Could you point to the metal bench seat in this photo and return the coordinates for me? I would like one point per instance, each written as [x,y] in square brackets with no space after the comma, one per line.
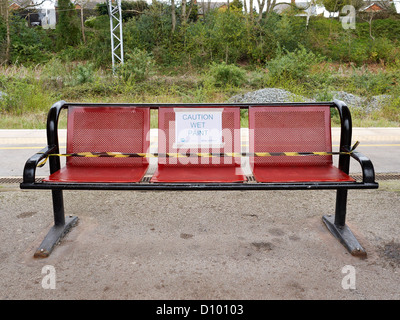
[98,174]
[279,174]
[281,140]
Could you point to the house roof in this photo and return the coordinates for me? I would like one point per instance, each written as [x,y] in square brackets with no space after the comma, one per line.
[279,8]
[17,4]
[307,7]
[374,6]
[87,4]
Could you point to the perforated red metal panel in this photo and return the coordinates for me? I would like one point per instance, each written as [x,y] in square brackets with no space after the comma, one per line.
[292,129]
[203,169]
[107,129]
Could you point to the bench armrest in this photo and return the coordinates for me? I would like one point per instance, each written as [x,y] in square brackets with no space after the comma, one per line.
[32,163]
[368,171]
[52,122]
[345,134]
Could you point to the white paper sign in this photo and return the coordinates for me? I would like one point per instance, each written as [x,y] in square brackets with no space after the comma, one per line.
[198,127]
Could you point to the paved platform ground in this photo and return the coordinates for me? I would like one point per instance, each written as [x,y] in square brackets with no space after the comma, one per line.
[201,245]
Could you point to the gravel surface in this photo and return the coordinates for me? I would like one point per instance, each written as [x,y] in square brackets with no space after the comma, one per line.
[268,95]
[281,95]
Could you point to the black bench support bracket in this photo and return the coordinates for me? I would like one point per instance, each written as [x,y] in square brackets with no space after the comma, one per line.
[54,236]
[345,236]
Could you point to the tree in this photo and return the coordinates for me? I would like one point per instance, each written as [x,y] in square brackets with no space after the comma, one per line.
[82,3]
[270,6]
[334,5]
[236,4]
[173,15]
[68,33]
[229,34]
[131,9]
[261,4]
[4,15]
[370,13]
[186,13]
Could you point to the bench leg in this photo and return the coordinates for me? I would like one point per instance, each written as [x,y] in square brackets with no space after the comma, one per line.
[337,226]
[61,226]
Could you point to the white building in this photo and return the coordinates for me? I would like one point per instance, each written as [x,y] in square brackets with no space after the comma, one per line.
[397,5]
[47,13]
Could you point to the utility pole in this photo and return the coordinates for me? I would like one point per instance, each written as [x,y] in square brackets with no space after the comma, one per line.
[117,48]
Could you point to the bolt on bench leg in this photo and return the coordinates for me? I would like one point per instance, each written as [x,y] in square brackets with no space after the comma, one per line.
[336,225]
[61,226]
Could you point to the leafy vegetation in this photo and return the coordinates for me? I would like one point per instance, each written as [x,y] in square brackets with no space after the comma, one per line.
[196,57]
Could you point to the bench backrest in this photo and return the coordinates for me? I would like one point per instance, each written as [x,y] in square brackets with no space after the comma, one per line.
[272,129]
[201,123]
[290,129]
[108,129]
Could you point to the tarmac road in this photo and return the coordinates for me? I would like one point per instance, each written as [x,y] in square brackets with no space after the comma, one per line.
[200,245]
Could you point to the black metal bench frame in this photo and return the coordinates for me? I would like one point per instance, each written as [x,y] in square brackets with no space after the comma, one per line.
[336,223]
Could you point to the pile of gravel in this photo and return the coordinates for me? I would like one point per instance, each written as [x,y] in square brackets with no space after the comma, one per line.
[366,104]
[267,95]
[349,99]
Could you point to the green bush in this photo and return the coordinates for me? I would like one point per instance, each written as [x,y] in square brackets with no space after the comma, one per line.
[98,44]
[228,36]
[54,74]
[327,37]
[383,50]
[385,28]
[83,73]
[367,83]
[227,74]
[67,29]
[359,52]
[391,110]
[138,66]
[28,45]
[198,44]
[294,65]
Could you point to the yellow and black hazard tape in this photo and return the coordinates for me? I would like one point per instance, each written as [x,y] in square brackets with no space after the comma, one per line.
[188,154]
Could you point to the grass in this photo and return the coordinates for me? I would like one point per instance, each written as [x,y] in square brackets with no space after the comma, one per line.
[26,121]
[31,91]
[391,185]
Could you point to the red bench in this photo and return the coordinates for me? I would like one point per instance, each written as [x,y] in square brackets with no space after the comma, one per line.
[199,148]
